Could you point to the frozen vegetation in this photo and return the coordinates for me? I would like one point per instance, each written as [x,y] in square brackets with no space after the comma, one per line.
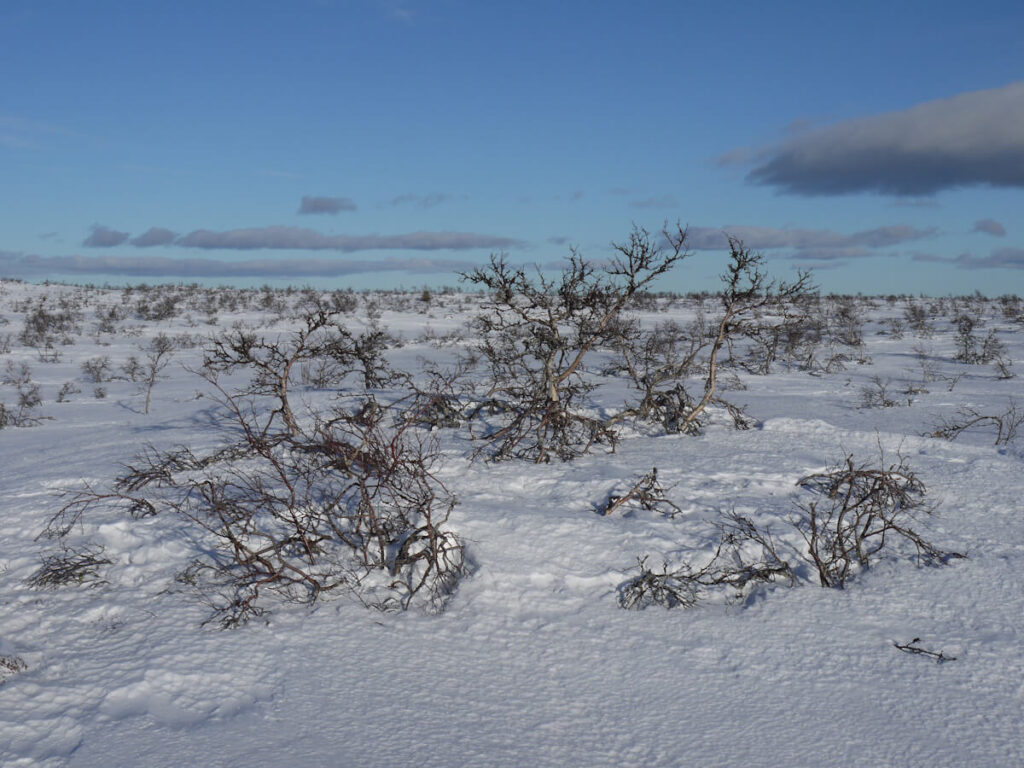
[517,523]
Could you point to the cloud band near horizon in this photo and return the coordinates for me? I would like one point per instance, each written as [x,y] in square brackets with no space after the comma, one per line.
[298,238]
[22,264]
[806,244]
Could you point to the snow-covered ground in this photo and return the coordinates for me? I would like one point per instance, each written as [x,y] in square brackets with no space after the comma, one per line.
[533,662]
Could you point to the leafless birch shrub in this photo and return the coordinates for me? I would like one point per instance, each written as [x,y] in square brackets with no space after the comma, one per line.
[1011,308]
[96,369]
[69,566]
[537,338]
[647,492]
[1006,424]
[273,363]
[747,295]
[918,319]
[158,356]
[350,504]
[294,505]
[859,514]
[859,510]
[24,412]
[744,556]
[68,388]
[878,394]
[658,362]
[46,326]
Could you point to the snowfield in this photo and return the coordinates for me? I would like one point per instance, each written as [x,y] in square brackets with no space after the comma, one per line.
[533,661]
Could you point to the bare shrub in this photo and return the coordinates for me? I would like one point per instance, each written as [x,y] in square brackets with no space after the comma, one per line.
[647,492]
[894,326]
[25,411]
[70,566]
[67,389]
[43,327]
[538,333]
[1006,423]
[154,308]
[913,648]
[879,395]
[273,361]
[971,349]
[748,293]
[158,355]
[658,361]
[858,511]
[744,556]
[918,319]
[349,503]
[96,369]
[859,514]
[10,666]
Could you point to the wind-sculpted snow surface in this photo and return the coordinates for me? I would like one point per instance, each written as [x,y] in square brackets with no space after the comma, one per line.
[109,659]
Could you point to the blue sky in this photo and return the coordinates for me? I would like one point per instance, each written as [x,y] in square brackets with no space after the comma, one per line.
[375,143]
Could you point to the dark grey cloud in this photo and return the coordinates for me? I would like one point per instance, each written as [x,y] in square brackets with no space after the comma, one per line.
[989,226]
[421,201]
[558,240]
[104,237]
[970,139]
[154,236]
[298,238]
[16,264]
[328,205]
[768,238]
[663,201]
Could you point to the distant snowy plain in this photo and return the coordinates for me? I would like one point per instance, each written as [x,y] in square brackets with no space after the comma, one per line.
[533,663]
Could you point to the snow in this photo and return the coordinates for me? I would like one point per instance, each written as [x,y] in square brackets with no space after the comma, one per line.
[533,662]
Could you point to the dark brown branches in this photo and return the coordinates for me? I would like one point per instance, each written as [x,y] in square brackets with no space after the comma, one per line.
[538,333]
[748,291]
[857,511]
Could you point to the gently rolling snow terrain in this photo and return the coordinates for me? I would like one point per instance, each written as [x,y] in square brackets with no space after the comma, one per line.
[378,576]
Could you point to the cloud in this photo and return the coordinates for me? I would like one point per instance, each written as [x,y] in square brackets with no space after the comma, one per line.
[21,264]
[330,205]
[989,226]
[558,240]
[421,201]
[1000,258]
[970,139]
[664,201]
[830,254]
[297,238]
[104,237]
[768,238]
[154,236]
